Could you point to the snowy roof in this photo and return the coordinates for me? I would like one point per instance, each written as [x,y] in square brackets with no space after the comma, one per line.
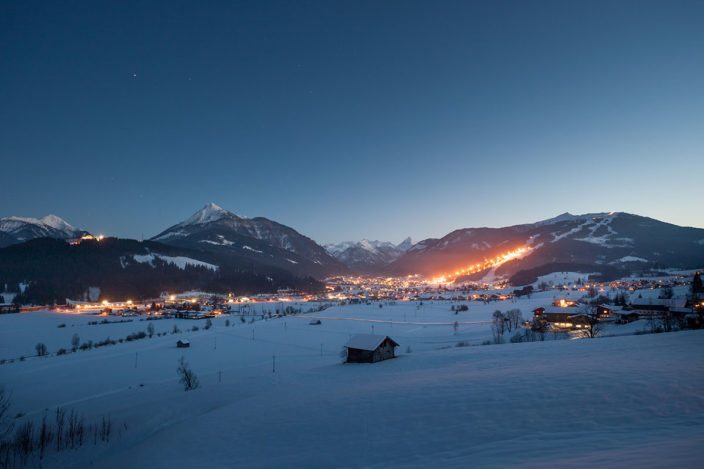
[561,309]
[612,307]
[368,342]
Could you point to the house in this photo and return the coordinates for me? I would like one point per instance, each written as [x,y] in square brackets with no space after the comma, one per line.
[558,317]
[625,316]
[9,308]
[656,307]
[608,311]
[183,343]
[370,348]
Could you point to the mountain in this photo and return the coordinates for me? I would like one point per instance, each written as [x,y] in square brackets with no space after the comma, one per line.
[19,229]
[368,257]
[255,244]
[123,268]
[594,242]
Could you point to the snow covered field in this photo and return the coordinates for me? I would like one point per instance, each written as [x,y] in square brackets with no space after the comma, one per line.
[274,393]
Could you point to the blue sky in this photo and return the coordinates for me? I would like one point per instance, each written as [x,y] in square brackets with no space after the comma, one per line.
[351,119]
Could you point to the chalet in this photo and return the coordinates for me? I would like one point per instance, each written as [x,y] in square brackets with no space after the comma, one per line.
[656,306]
[369,348]
[560,318]
[608,311]
[183,343]
[626,316]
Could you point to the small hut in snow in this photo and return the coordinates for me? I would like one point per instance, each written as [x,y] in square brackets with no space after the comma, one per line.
[369,348]
[183,343]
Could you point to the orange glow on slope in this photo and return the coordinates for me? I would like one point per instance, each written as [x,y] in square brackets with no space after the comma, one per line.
[481,266]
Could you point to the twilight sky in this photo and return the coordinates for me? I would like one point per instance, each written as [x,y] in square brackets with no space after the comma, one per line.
[351,119]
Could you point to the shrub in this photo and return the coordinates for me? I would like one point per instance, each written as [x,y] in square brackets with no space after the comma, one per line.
[186,376]
[41,349]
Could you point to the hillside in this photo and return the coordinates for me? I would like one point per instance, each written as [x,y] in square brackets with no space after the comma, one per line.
[121,269]
[258,244]
[603,241]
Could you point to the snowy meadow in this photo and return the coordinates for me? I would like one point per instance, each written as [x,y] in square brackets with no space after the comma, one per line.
[275,392]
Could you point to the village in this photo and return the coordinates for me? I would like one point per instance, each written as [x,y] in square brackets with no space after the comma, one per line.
[121,357]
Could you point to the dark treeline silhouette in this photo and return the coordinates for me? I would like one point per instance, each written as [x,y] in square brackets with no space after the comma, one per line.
[56,270]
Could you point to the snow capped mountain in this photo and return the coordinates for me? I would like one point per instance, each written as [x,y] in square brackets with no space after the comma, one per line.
[207,214]
[595,241]
[406,244]
[20,229]
[567,216]
[253,243]
[368,257]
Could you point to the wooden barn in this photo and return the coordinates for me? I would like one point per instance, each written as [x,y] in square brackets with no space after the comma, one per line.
[369,348]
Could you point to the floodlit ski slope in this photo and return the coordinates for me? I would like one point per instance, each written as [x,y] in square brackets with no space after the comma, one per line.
[618,400]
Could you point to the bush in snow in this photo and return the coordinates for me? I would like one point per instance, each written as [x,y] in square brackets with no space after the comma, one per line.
[186,376]
[150,330]
[208,324]
[75,342]
[41,349]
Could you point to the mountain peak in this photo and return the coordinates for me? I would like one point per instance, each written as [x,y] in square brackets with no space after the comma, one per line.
[57,223]
[211,212]
[406,244]
[567,216]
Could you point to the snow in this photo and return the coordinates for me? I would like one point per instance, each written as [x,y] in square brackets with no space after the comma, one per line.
[631,259]
[563,278]
[222,241]
[613,401]
[179,261]
[207,214]
[368,342]
[57,223]
[50,222]
[249,248]
[569,217]
[291,261]
[367,245]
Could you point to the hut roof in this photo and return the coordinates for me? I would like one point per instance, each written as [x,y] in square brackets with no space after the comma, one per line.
[368,342]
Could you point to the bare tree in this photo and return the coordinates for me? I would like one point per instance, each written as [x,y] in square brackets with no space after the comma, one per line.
[539,327]
[513,319]
[498,327]
[150,330]
[75,342]
[41,349]
[589,320]
[5,422]
[186,376]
